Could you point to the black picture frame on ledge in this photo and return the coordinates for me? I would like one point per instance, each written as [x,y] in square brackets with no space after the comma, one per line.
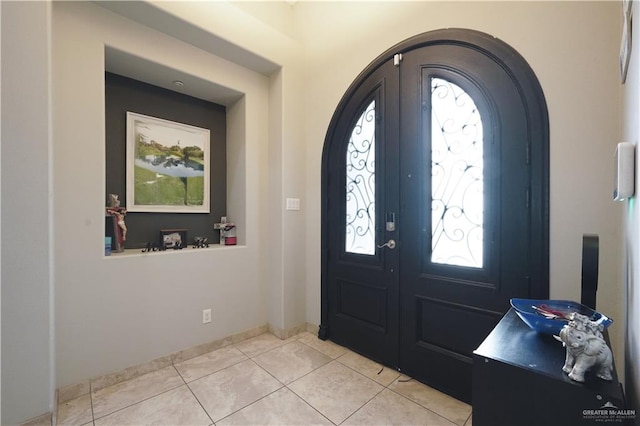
[173,239]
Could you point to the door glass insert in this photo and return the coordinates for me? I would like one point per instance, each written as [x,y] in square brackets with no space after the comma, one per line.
[457,183]
[360,235]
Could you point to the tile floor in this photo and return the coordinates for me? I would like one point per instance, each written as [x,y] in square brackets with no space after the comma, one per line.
[268,381]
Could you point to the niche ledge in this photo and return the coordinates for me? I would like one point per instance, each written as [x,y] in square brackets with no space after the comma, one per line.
[138,252]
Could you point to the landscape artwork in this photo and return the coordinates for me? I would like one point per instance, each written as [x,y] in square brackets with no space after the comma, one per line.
[167,166]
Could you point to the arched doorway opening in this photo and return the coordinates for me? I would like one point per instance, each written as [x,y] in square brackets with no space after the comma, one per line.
[435,201]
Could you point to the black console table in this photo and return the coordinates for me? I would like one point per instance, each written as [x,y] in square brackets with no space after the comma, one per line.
[518,380]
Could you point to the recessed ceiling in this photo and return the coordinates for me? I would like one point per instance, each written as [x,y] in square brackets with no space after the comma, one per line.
[148,14]
[128,65]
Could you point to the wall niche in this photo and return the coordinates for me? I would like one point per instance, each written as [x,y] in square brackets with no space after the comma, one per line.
[122,95]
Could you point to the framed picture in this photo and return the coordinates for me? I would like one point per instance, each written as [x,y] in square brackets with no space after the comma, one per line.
[173,238]
[625,42]
[167,166]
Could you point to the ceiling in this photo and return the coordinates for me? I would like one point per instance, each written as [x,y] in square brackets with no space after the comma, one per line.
[128,65]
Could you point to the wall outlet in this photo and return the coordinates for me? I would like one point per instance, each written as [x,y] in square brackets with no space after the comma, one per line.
[206,316]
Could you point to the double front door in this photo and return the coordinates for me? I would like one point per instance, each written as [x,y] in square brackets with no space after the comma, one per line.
[435,201]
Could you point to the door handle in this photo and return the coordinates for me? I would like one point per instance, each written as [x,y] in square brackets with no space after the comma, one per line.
[389,244]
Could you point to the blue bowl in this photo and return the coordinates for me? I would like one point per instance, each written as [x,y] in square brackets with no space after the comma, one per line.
[538,322]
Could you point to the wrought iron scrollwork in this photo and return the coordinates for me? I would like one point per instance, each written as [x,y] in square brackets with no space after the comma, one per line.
[360,185]
[457,205]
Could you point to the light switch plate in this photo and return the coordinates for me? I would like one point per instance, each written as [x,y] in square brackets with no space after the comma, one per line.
[293,204]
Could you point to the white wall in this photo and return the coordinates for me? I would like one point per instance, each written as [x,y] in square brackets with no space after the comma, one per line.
[114,312]
[631,215]
[266,29]
[571,46]
[27,285]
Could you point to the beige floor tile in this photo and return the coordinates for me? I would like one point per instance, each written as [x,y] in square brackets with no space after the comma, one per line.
[260,344]
[175,407]
[208,363]
[75,412]
[325,346]
[121,395]
[326,383]
[282,407]
[383,375]
[335,390]
[291,361]
[448,407]
[389,408]
[233,388]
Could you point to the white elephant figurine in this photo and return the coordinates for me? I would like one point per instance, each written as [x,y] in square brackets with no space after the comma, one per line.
[583,323]
[585,350]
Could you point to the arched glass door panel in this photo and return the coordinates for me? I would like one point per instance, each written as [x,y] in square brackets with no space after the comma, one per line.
[457,177]
[360,229]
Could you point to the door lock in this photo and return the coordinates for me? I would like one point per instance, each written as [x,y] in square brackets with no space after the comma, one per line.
[389,244]
[391,222]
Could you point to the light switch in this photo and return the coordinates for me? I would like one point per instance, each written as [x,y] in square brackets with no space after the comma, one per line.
[293,204]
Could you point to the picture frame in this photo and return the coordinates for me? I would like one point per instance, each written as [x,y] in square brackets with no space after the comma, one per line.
[168,166]
[173,239]
[626,7]
[625,42]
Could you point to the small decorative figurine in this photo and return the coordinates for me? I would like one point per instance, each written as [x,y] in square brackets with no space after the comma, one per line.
[200,242]
[586,349]
[119,227]
[114,201]
[227,232]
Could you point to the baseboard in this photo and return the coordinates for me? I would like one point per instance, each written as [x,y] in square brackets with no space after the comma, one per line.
[43,420]
[290,332]
[67,393]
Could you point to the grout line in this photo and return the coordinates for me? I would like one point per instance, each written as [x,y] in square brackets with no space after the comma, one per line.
[314,408]
[269,373]
[178,373]
[362,406]
[245,406]
[376,382]
[467,421]
[308,403]
[426,408]
[200,403]
[346,366]
[254,402]
[217,371]
[93,416]
[184,382]
[133,372]
[283,385]
[286,386]
[137,402]
[332,358]
[363,375]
